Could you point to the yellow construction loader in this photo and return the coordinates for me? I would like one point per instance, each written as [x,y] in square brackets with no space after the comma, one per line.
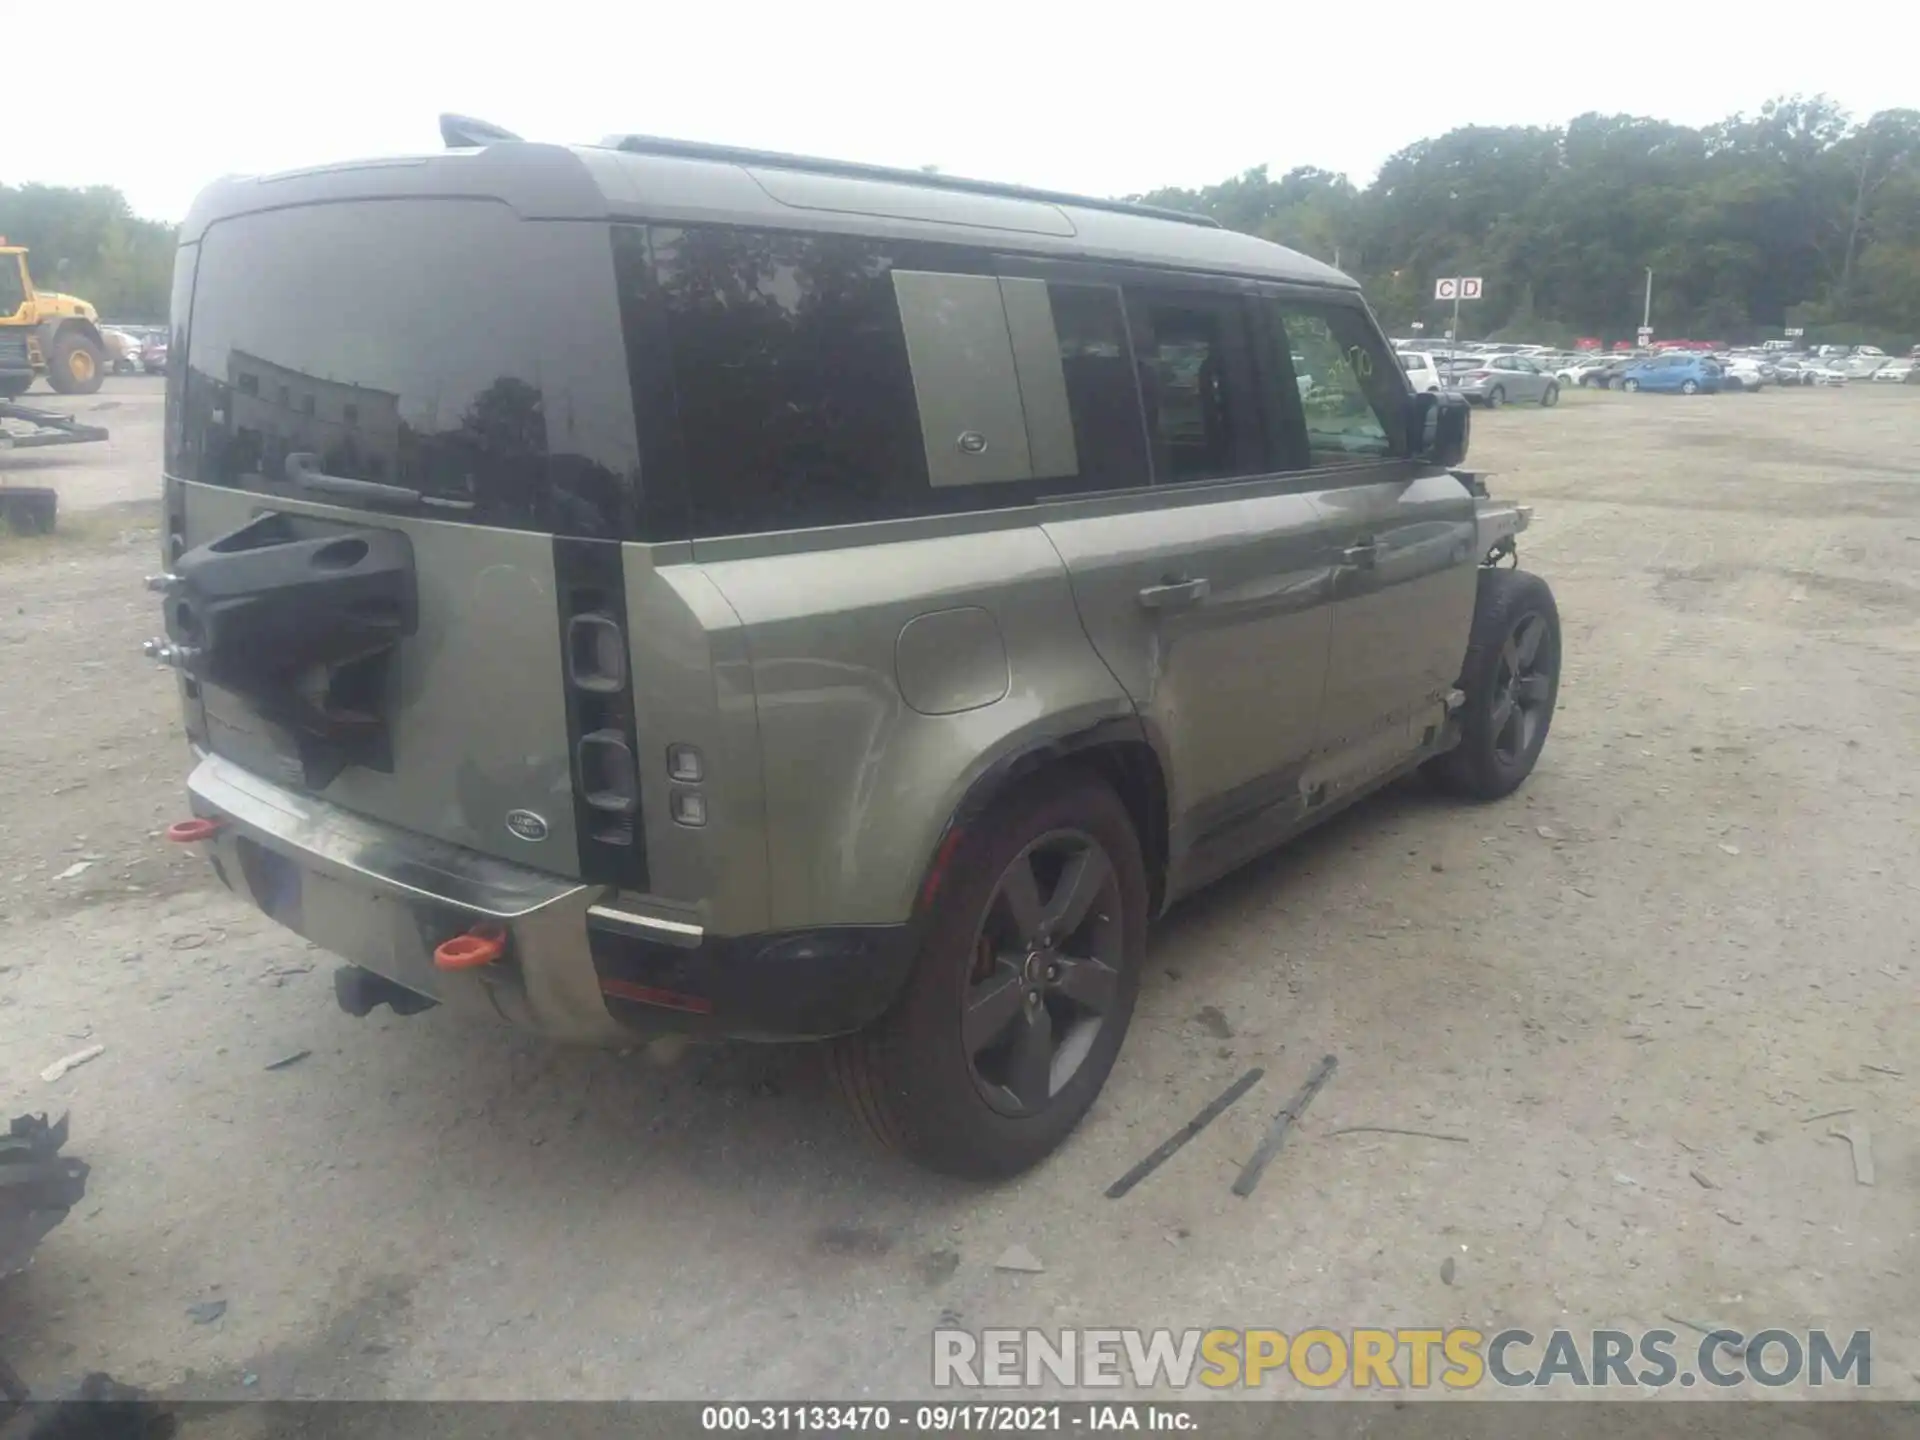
[44,333]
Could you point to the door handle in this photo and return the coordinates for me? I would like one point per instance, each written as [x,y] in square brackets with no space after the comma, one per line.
[1174,594]
[1361,555]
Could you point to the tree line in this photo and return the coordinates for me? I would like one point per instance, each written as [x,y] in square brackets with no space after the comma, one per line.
[90,243]
[1798,216]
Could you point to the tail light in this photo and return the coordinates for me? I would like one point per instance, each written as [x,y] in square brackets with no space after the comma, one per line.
[600,715]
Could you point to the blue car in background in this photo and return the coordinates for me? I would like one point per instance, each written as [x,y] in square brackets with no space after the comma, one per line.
[1676,374]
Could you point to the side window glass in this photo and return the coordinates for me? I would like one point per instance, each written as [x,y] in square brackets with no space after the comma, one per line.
[1352,395]
[1102,390]
[1196,383]
[13,289]
[1023,380]
[791,377]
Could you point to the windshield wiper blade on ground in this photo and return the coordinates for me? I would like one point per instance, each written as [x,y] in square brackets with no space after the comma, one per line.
[302,475]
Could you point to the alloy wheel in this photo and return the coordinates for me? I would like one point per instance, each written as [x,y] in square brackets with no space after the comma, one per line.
[1522,689]
[1046,971]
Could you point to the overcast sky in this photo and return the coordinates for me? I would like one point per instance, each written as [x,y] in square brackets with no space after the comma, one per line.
[1102,99]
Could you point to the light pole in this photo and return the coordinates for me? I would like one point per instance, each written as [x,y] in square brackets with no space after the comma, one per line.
[1646,310]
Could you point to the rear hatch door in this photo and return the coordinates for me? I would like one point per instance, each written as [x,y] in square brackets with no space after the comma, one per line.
[432,386]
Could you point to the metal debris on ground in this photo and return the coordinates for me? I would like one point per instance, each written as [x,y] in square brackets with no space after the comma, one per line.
[1446,1271]
[1884,1070]
[285,1060]
[205,1312]
[75,870]
[1167,1148]
[1702,1181]
[1277,1134]
[1397,1130]
[1828,1114]
[1020,1259]
[1861,1143]
[71,1062]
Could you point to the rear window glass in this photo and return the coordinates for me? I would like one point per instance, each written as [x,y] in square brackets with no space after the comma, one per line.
[439,347]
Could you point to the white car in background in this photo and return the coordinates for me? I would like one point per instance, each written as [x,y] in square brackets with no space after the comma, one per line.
[1423,370]
[1897,372]
[1744,373]
[1569,371]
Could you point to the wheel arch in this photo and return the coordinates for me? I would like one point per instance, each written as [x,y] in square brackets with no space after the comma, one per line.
[1117,748]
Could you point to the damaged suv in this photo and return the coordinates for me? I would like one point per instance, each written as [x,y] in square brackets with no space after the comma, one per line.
[654,587]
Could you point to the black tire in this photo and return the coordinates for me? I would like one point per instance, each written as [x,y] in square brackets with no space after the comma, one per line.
[1496,397]
[1490,763]
[1689,387]
[76,366]
[910,1077]
[1550,396]
[1630,385]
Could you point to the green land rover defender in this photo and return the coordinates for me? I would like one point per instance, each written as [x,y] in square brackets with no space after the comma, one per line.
[654,587]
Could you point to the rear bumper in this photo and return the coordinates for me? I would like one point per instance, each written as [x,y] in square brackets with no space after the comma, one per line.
[580,964]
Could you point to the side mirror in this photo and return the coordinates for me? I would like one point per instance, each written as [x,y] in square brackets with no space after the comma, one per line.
[1438,426]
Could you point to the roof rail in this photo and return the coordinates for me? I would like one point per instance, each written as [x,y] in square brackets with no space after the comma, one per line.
[739,155]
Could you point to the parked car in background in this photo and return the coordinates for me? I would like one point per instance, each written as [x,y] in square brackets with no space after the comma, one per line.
[1673,374]
[1898,372]
[1503,378]
[123,349]
[1607,373]
[1860,367]
[153,354]
[1424,371]
[1741,373]
[1573,371]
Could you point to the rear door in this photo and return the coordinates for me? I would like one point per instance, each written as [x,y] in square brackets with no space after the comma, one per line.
[1208,596]
[1401,534]
[455,376]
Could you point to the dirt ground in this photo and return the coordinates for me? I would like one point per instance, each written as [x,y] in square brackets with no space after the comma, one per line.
[1627,989]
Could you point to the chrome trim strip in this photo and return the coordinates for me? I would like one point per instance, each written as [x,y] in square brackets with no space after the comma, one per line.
[349,847]
[648,927]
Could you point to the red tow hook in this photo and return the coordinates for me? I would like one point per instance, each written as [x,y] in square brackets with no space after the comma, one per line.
[481,945]
[192,832]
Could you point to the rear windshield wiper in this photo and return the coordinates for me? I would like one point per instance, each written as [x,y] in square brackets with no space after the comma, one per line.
[302,475]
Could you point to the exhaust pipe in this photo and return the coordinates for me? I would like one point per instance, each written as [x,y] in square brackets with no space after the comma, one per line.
[359,991]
